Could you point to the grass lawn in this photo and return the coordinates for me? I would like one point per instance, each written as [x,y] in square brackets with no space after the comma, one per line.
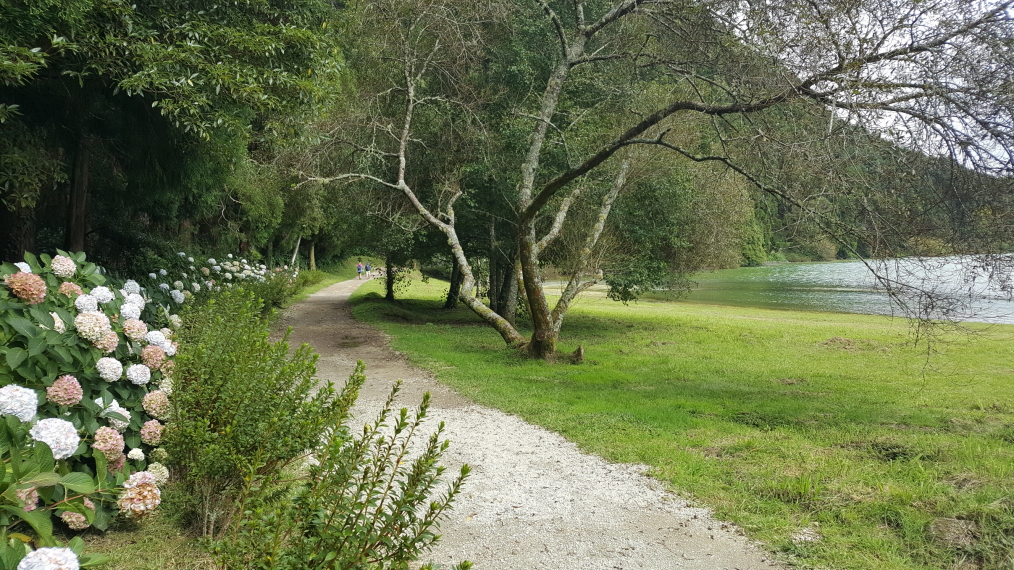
[778,420]
[154,543]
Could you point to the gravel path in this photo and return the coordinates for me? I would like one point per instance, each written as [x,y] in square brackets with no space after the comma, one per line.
[533,501]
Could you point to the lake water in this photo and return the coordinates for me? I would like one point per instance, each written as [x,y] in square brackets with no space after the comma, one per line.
[963,289]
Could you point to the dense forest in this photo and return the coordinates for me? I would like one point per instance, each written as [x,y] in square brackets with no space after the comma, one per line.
[623,141]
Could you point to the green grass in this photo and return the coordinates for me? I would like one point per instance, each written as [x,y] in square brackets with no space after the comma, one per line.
[153,543]
[775,419]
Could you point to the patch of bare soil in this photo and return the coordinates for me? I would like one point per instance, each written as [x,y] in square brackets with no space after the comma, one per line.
[533,501]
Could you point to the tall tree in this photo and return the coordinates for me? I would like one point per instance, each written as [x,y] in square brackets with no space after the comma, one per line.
[94,75]
[781,93]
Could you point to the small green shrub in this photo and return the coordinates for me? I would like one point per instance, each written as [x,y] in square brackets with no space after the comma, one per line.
[363,502]
[239,400]
[308,278]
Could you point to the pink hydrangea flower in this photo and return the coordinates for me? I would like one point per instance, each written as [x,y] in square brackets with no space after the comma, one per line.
[30,497]
[27,286]
[70,289]
[76,521]
[109,342]
[116,464]
[151,432]
[153,356]
[66,391]
[109,442]
[135,329]
[156,404]
[140,495]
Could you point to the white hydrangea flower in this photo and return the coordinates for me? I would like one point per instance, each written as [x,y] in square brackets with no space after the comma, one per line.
[228,275]
[181,254]
[155,337]
[136,454]
[139,374]
[217,269]
[92,325]
[163,272]
[19,402]
[229,256]
[109,369]
[163,286]
[196,287]
[102,294]
[190,259]
[115,408]
[86,302]
[175,321]
[177,296]
[211,261]
[58,324]
[50,558]
[160,472]
[152,276]
[60,435]
[130,311]
[170,349]
[23,266]
[178,285]
[63,266]
[184,275]
[135,299]
[166,385]
[131,286]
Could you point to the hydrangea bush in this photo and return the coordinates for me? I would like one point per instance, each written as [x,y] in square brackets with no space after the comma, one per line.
[37,487]
[77,361]
[201,277]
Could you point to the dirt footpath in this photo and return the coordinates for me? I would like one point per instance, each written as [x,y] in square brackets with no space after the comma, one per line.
[533,501]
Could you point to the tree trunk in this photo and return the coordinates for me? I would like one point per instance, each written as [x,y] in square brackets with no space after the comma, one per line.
[494,274]
[391,270]
[20,236]
[77,202]
[509,294]
[543,341]
[313,260]
[455,286]
[295,251]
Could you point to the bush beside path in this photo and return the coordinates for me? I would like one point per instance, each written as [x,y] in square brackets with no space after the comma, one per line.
[533,499]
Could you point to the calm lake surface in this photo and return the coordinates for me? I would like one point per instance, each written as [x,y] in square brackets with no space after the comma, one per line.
[850,287]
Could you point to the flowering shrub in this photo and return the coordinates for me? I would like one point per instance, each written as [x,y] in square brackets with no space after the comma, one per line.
[33,492]
[76,363]
[201,278]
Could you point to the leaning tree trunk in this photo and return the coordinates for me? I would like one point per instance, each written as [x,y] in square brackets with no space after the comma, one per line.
[313,259]
[77,201]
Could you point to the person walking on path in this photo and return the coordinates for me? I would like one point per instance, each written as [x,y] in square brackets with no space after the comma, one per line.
[369,270]
[359,270]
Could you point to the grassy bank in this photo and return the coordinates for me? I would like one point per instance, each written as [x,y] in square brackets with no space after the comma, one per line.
[781,421]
